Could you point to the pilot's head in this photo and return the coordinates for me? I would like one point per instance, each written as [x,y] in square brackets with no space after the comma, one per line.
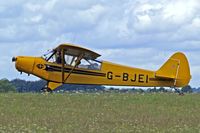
[58,53]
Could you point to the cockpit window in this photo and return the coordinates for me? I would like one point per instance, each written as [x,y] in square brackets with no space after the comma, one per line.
[90,64]
[56,57]
[70,60]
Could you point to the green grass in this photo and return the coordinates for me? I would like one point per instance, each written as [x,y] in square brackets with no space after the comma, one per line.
[100,113]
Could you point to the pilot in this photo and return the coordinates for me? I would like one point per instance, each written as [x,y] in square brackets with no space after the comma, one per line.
[58,57]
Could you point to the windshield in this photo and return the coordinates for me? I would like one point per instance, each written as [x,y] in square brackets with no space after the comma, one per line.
[47,54]
[50,56]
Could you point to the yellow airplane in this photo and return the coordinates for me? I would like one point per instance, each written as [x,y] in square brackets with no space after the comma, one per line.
[71,64]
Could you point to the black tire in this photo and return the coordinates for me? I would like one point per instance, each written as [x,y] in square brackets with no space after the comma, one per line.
[46,90]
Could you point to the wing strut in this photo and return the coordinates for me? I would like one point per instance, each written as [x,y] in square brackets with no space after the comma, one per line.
[76,63]
[63,65]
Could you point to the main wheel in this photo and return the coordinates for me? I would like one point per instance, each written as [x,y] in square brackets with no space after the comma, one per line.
[46,90]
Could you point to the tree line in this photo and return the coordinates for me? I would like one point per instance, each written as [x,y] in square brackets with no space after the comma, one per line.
[22,86]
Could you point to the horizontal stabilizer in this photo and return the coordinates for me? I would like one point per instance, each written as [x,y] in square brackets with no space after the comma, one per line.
[164,77]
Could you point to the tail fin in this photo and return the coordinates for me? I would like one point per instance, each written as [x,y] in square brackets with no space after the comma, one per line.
[176,68]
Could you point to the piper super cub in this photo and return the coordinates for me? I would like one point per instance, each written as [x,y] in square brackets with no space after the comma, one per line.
[71,64]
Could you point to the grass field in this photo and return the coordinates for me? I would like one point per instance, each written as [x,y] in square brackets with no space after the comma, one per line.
[100,113]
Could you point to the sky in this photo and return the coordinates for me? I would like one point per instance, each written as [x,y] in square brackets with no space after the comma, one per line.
[137,33]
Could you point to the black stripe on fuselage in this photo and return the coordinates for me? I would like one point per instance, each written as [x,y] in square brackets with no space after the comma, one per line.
[161,79]
[75,71]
